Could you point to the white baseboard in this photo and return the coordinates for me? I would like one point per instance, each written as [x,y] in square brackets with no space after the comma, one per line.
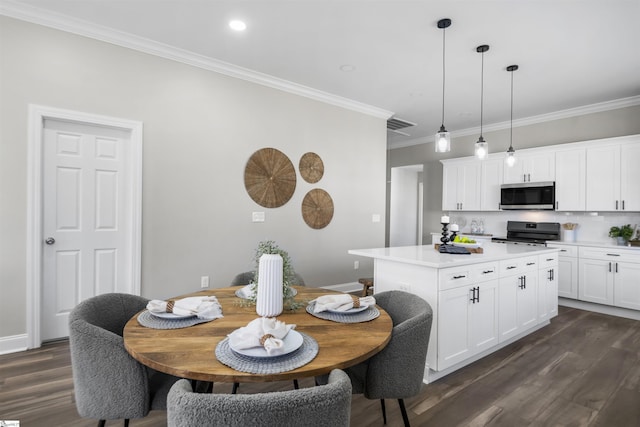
[345,287]
[13,344]
[600,308]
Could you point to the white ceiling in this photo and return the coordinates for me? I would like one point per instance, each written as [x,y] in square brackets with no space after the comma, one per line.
[571,53]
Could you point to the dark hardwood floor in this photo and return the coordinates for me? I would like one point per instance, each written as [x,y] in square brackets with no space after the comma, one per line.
[582,370]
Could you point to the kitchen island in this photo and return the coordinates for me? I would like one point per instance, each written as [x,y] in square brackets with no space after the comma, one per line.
[480,302]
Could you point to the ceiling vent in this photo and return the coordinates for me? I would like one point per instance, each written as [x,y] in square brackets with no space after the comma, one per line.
[394,124]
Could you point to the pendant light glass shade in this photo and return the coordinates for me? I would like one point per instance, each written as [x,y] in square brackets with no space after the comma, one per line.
[510,160]
[482,147]
[443,140]
[443,137]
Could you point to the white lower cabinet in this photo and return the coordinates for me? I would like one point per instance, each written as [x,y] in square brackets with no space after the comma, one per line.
[610,276]
[548,288]
[518,303]
[468,322]
[567,275]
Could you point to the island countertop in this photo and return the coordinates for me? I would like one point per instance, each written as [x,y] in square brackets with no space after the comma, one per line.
[428,256]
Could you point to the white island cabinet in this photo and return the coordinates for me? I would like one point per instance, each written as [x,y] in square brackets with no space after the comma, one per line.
[480,302]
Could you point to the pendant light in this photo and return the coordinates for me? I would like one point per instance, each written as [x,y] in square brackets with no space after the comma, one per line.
[482,148]
[511,153]
[443,137]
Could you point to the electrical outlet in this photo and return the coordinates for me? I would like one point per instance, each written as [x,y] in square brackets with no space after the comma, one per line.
[204,282]
[356,265]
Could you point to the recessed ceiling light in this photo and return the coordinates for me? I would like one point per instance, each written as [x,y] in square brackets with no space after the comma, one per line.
[237,25]
[347,68]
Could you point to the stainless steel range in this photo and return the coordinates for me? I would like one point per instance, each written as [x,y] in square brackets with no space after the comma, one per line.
[530,233]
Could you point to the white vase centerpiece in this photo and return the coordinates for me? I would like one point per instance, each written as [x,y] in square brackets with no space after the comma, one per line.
[269,293]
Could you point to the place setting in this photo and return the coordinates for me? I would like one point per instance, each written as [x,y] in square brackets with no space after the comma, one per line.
[266,346]
[344,308]
[180,313]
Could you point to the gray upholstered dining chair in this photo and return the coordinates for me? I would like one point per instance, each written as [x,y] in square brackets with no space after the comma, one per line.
[327,405]
[109,383]
[397,371]
[247,277]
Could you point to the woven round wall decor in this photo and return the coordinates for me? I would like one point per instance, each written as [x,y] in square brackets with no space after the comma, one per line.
[311,167]
[317,208]
[269,178]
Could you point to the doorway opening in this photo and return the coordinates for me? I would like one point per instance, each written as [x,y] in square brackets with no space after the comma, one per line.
[406,201]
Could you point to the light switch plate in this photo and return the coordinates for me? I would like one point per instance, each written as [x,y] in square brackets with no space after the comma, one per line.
[375,218]
[257,216]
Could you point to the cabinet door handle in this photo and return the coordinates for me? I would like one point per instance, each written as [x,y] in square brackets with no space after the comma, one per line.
[616,267]
[623,205]
[616,205]
[459,277]
[556,205]
[473,295]
[529,177]
[524,177]
[511,267]
[531,263]
[613,254]
[549,259]
[563,250]
[609,267]
[488,271]
[478,294]
[553,274]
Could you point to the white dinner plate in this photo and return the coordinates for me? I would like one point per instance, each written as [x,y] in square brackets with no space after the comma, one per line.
[467,245]
[292,342]
[171,315]
[350,311]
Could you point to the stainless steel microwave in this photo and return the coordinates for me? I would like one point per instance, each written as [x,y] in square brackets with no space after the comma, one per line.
[528,196]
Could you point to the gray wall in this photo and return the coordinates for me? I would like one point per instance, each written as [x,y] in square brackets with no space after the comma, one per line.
[619,122]
[200,128]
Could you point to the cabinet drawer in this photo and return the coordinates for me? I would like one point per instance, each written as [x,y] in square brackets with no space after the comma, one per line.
[548,260]
[484,272]
[609,254]
[510,267]
[450,278]
[566,250]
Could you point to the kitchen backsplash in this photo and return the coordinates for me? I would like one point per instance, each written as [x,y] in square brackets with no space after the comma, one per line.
[592,227]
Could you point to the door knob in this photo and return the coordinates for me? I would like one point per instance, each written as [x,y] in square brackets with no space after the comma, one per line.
[50,241]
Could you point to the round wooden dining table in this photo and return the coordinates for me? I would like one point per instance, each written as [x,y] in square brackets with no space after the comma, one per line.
[190,352]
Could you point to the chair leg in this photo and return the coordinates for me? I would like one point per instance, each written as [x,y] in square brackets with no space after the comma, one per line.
[126,422]
[384,411]
[404,413]
[101,423]
[295,384]
[235,388]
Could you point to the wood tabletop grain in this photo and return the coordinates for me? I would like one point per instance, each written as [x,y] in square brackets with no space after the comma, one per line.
[190,352]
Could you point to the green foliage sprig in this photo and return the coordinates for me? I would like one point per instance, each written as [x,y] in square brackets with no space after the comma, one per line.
[288,273]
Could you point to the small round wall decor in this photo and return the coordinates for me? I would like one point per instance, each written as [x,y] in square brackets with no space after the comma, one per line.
[311,167]
[269,178]
[317,208]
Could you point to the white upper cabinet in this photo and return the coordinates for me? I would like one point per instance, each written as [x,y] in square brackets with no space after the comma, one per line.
[599,175]
[570,180]
[492,176]
[461,186]
[532,167]
[630,177]
[612,177]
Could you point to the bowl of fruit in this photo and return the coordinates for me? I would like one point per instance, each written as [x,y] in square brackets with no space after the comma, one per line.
[465,242]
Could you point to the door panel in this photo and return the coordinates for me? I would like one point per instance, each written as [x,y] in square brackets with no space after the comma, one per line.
[84,206]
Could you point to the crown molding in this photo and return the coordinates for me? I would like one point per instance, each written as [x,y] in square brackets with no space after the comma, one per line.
[80,27]
[615,104]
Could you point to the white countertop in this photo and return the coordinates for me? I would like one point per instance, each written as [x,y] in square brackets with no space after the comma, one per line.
[609,244]
[429,257]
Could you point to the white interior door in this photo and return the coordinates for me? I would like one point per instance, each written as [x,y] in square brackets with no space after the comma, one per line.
[86,230]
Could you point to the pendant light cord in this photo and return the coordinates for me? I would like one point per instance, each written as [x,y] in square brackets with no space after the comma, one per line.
[481,93]
[443,73]
[511,126]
